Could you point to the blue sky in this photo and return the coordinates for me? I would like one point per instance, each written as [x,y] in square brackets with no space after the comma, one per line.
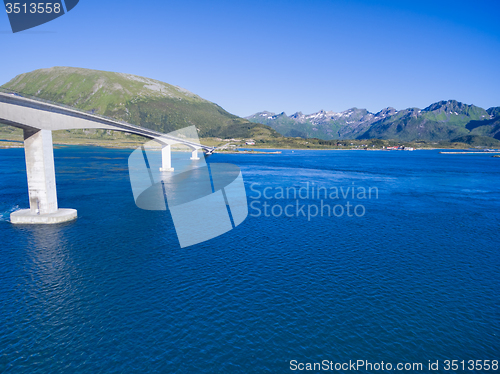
[249,56]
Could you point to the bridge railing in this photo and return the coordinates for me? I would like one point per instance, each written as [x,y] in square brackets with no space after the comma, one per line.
[92,112]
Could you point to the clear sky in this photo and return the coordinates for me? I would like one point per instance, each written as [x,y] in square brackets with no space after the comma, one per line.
[250,56]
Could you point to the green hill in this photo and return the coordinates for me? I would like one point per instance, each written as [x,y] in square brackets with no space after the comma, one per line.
[477,140]
[489,127]
[141,101]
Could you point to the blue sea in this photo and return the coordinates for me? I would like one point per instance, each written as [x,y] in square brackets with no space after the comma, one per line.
[410,277]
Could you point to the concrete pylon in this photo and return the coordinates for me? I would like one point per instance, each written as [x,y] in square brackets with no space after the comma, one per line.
[42,190]
[194,155]
[166,158]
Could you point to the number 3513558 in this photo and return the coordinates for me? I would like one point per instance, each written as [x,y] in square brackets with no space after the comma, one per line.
[33,8]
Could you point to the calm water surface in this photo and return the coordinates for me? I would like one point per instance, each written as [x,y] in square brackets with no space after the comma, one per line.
[414,279]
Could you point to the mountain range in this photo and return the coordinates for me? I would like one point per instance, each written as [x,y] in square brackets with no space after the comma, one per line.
[444,120]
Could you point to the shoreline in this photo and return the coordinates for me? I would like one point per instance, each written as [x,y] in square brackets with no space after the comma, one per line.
[348,149]
[7,143]
[13,145]
[18,143]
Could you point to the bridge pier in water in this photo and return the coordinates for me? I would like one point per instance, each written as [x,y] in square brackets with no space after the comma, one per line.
[194,155]
[166,158]
[40,170]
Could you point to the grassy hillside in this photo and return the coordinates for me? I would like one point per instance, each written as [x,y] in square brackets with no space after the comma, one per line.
[477,140]
[138,100]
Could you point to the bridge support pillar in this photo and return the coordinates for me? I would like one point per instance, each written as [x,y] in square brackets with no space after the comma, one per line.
[194,155]
[42,190]
[166,158]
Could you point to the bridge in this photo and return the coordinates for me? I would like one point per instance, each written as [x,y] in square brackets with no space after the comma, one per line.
[38,118]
